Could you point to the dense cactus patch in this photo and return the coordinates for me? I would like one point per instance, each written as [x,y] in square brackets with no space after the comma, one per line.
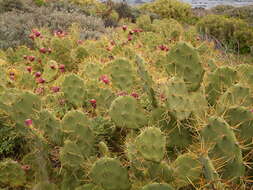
[137,109]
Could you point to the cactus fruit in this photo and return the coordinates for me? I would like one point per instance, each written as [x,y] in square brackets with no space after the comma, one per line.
[151,144]
[178,100]
[11,174]
[109,173]
[184,62]
[76,127]
[187,169]
[125,112]
[224,145]
[158,186]
[121,74]
[74,90]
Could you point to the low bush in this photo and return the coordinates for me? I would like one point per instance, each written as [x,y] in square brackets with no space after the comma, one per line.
[169,9]
[16,26]
[236,34]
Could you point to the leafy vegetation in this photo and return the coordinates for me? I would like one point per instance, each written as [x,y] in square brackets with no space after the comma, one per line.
[148,105]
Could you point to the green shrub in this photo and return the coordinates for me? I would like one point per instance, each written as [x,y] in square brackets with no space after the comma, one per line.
[236,34]
[126,11]
[169,9]
[11,143]
[9,5]
[16,26]
[144,22]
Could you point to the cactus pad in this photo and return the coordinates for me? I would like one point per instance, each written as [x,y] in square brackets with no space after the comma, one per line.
[74,90]
[151,144]
[125,112]
[11,174]
[157,186]
[109,173]
[184,62]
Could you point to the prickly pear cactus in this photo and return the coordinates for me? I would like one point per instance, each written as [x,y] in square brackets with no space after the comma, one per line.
[50,126]
[147,80]
[158,186]
[241,118]
[235,95]
[80,53]
[187,169]
[224,145]
[245,73]
[71,155]
[125,112]
[184,62]
[121,74]
[50,71]
[88,187]
[11,174]
[45,185]
[151,144]
[26,106]
[109,173]
[178,100]
[160,172]
[218,81]
[76,127]
[74,90]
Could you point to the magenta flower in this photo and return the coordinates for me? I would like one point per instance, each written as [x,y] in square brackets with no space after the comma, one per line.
[28,122]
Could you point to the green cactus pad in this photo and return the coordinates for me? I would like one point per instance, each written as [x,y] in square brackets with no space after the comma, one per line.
[109,173]
[44,186]
[25,107]
[151,144]
[49,73]
[76,126]
[236,95]
[88,187]
[178,100]
[147,80]
[121,74]
[218,81]
[125,112]
[50,126]
[160,172]
[184,62]
[224,145]
[158,186]
[74,90]
[11,174]
[242,119]
[80,53]
[71,155]
[245,73]
[187,169]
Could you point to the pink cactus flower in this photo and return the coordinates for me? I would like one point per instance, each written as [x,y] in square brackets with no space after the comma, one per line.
[28,122]
[104,79]
[55,89]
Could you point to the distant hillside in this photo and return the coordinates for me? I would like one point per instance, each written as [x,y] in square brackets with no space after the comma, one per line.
[200,3]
